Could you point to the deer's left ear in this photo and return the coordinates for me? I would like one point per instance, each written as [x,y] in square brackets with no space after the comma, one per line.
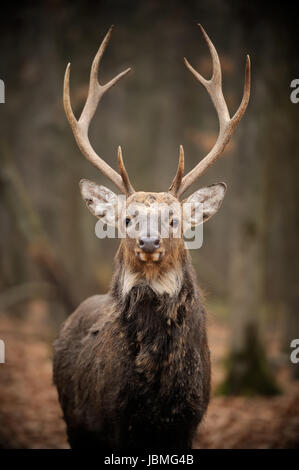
[203,204]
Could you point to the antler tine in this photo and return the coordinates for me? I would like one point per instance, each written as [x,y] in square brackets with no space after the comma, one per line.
[246,93]
[176,183]
[227,125]
[80,127]
[124,175]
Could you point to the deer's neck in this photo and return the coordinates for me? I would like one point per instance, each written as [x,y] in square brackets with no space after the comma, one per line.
[161,291]
[157,325]
[161,278]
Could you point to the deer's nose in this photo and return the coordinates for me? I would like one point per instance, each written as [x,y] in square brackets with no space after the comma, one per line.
[149,244]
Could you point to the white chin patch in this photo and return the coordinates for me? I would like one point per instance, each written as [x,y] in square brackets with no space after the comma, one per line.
[166,283]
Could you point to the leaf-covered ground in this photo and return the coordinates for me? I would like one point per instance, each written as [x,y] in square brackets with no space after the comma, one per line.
[30,416]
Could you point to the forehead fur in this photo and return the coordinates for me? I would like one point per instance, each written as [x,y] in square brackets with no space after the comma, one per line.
[149,199]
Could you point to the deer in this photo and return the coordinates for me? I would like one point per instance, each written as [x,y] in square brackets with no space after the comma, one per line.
[132,366]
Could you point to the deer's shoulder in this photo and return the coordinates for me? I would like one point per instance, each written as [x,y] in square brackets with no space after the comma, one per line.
[92,310]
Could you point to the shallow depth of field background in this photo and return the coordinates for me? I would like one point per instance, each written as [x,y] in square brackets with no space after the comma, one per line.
[50,258]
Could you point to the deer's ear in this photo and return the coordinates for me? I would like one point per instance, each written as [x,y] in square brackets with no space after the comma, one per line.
[203,204]
[101,202]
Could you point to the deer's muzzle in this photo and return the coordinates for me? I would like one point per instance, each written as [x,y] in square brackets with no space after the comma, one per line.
[149,244]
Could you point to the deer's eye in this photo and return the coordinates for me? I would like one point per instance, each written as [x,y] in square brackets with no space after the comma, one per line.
[128,220]
[174,223]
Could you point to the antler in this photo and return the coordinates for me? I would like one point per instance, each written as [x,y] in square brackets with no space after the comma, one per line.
[80,127]
[227,125]
[177,180]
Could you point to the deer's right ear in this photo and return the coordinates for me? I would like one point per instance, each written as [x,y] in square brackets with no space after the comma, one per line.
[103,203]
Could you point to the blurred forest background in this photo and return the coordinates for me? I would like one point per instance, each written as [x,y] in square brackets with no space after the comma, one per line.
[50,257]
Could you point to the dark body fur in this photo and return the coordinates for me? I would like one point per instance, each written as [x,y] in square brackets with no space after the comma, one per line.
[133,371]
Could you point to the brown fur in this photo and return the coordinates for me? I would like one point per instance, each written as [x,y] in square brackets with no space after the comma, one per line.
[132,367]
[172,247]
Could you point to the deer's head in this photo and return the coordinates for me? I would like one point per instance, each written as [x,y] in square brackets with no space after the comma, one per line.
[153,222]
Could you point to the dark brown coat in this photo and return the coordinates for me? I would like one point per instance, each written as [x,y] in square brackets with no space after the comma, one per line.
[133,371]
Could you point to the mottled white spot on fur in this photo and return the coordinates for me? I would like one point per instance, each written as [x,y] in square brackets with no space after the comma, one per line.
[129,280]
[142,256]
[167,283]
[156,256]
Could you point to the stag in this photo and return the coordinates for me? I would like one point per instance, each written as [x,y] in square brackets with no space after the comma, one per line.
[132,367]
